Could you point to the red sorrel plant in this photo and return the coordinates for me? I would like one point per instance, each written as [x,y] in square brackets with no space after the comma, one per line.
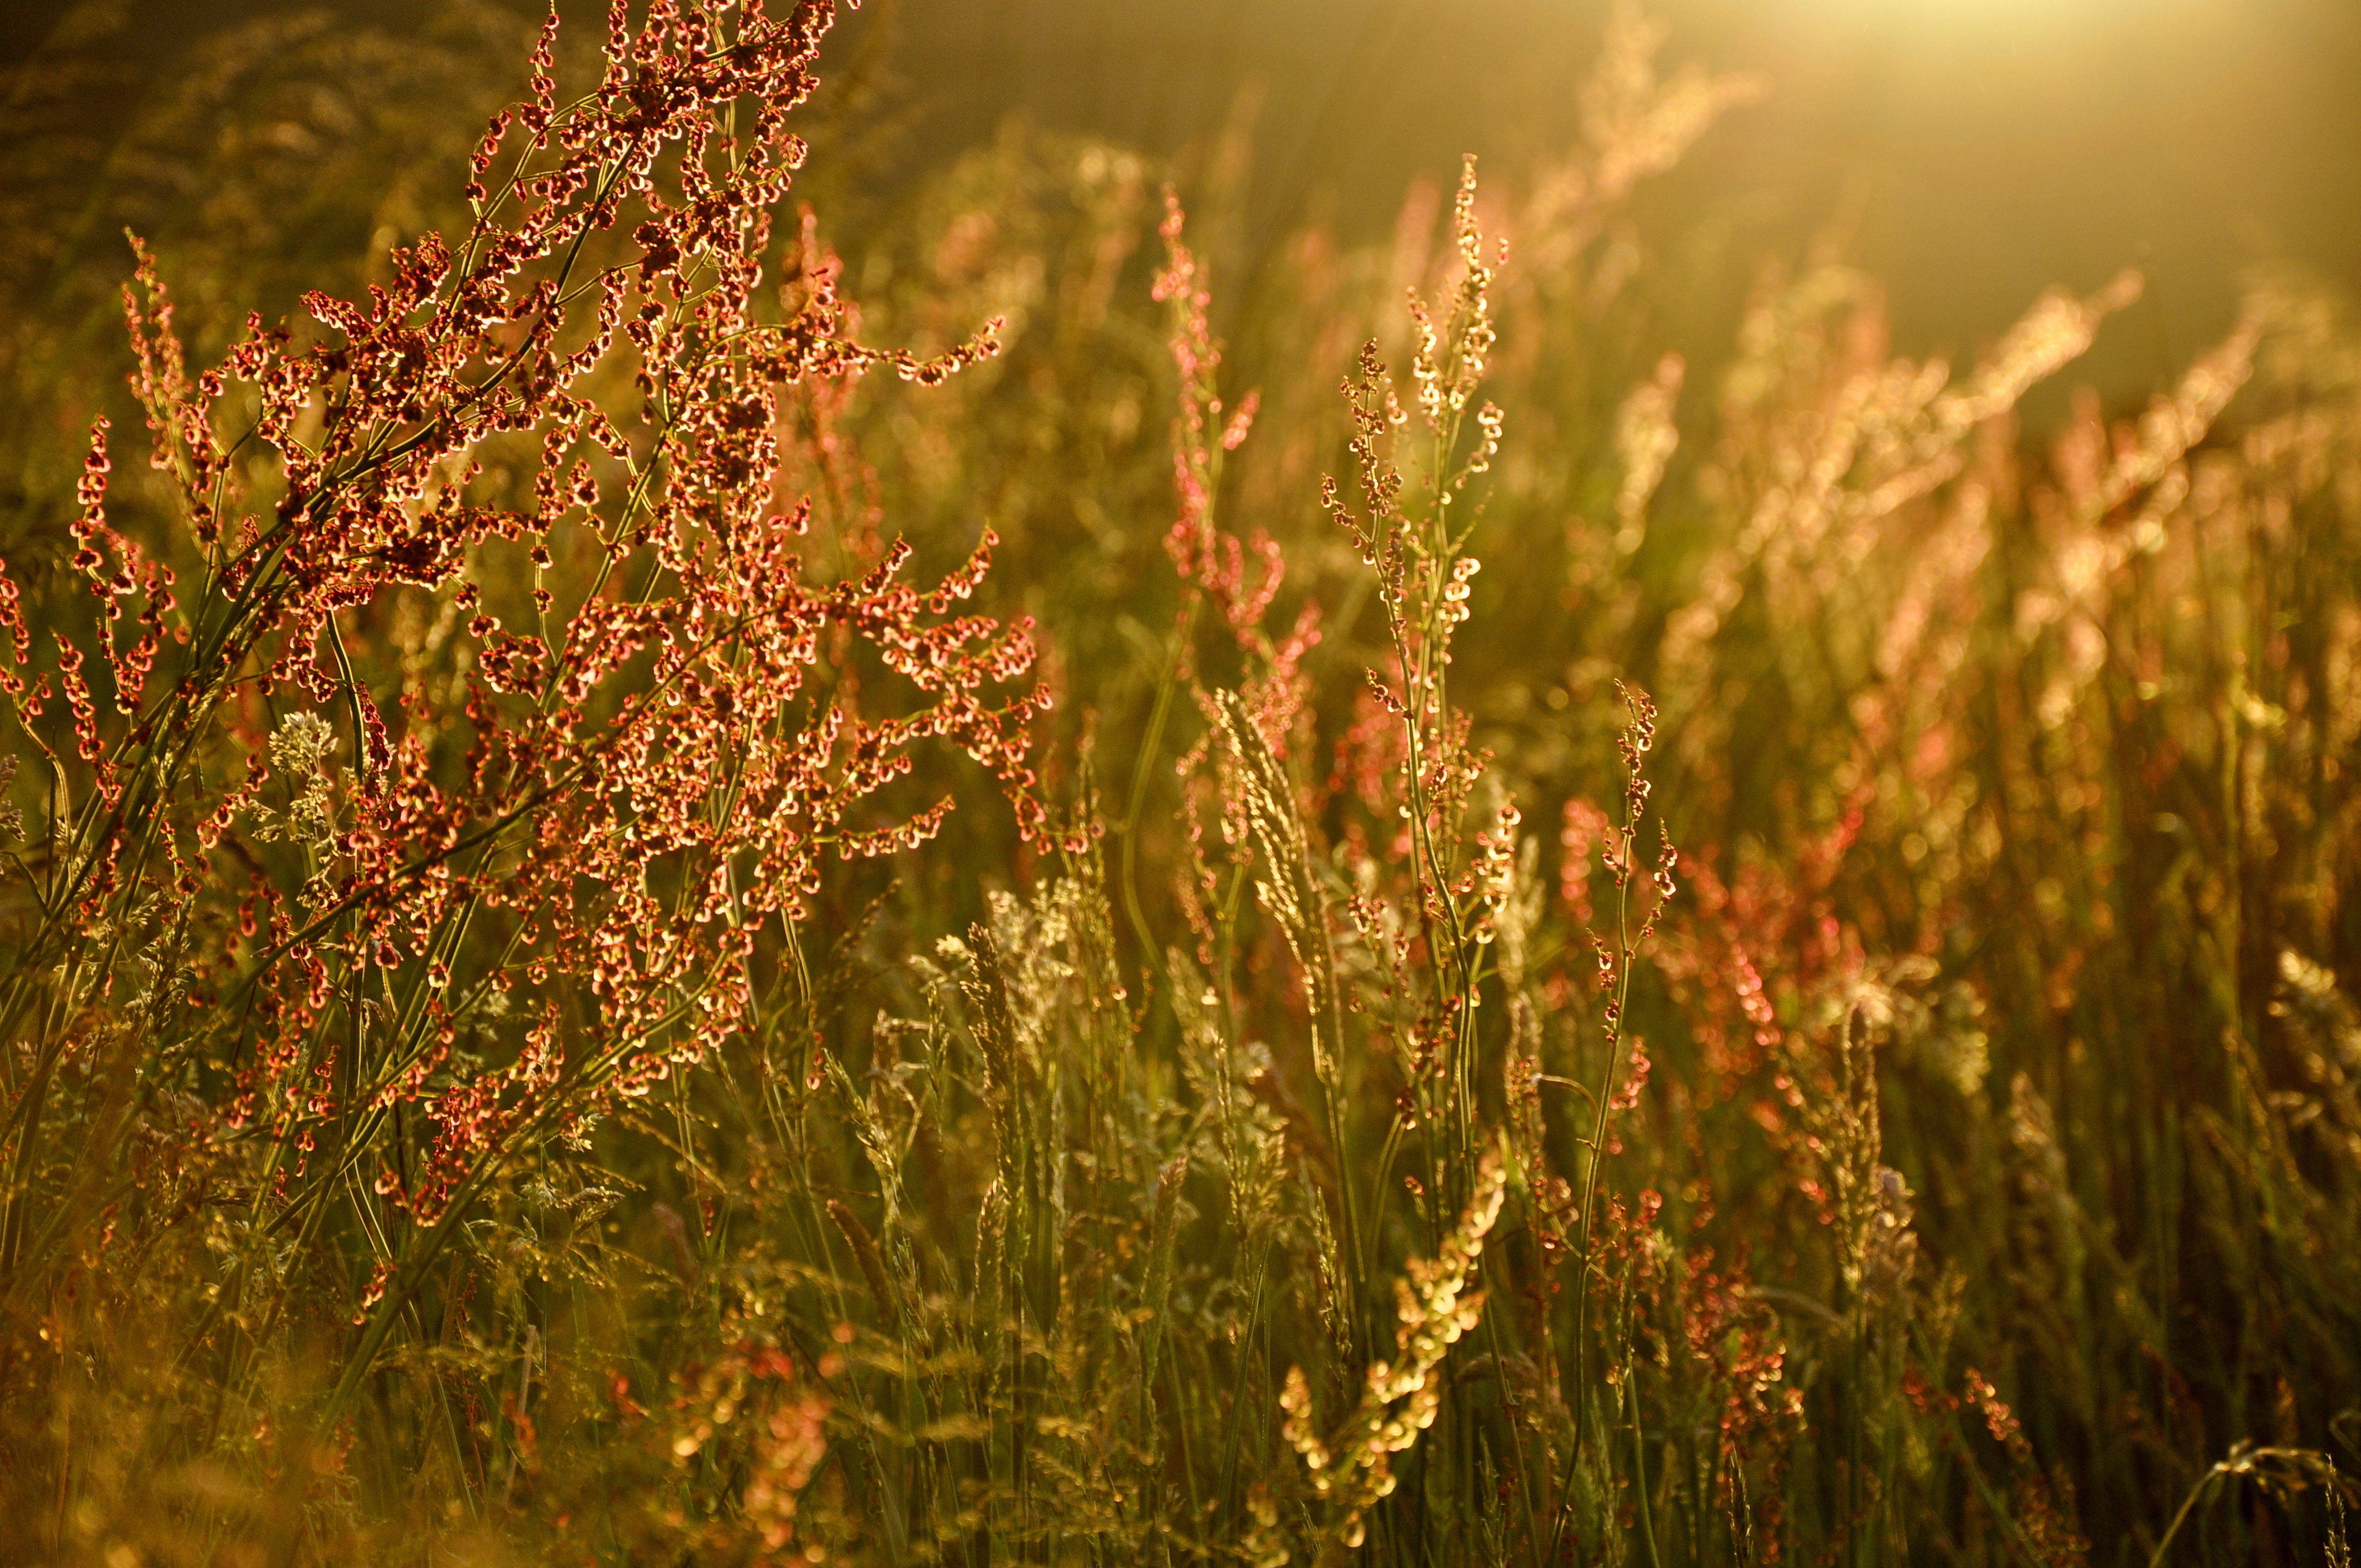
[1238,579]
[465,758]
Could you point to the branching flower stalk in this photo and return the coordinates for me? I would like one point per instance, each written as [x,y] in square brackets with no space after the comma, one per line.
[621,800]
[1615,963]
[1423,576]
[1210,563]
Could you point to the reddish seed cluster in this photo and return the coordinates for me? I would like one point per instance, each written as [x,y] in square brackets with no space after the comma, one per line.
[1583,830]
[1238,578]
[2046,1518]
[648,729]
[1213,563]
[1715,961]
[749,1402]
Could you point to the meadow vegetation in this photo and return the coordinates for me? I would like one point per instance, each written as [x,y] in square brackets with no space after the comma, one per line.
[686,885]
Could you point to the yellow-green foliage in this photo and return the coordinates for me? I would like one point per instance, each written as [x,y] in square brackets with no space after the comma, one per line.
[1598,959]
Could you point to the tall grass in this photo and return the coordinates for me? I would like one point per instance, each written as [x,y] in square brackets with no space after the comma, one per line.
[656,917]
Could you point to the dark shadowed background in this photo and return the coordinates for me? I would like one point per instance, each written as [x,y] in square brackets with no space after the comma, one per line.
[1968,152]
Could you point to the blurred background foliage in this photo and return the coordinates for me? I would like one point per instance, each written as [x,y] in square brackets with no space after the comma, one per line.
[1967,156]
